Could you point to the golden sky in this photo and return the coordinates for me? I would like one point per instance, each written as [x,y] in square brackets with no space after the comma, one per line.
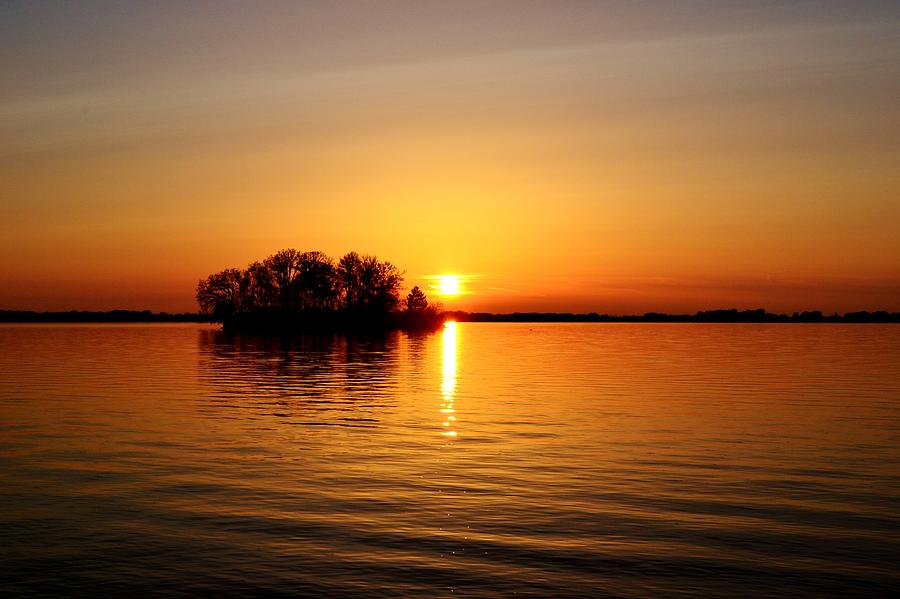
[585,156]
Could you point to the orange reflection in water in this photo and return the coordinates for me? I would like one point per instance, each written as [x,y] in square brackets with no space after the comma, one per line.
[448,379]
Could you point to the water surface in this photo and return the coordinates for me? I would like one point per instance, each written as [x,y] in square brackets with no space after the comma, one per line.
[487,459]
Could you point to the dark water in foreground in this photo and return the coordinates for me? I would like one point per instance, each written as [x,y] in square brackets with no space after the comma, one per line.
[551,460]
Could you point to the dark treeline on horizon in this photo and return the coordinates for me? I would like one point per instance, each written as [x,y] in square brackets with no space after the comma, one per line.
[292,290]
[100,316]
[708,316]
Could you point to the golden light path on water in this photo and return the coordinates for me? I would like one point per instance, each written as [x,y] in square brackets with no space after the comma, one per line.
[448,379]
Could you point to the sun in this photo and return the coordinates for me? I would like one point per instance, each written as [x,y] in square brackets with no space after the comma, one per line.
[448,285]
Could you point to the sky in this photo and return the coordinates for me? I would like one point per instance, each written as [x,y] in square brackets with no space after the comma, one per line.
[616,157]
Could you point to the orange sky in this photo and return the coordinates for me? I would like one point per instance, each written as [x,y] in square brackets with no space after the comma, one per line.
[586,156]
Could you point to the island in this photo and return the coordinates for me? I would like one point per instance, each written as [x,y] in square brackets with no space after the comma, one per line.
[293,291]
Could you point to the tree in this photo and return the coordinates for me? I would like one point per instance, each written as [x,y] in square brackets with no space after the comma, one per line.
[367,284]
[261,287]
[379,285]
[316,281]
[220,294]
[284,266]
[349,271]
[416,300]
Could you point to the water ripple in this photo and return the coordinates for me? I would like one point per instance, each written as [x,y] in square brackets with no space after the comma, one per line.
[489,460]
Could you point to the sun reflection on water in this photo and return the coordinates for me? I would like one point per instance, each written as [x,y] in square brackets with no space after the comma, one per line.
[448,379]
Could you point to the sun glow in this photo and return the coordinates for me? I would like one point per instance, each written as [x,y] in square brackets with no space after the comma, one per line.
[449,285]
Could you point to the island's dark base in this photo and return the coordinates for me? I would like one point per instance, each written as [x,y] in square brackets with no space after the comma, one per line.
[324,324]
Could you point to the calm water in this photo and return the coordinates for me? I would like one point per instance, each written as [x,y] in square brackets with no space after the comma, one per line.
[488,459]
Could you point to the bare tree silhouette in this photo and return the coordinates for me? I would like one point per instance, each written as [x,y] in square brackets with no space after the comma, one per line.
[220,294]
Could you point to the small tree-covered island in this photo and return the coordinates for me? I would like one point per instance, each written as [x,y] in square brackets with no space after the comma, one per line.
[293,291]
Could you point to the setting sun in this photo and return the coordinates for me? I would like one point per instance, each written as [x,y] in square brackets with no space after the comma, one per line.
[448,285]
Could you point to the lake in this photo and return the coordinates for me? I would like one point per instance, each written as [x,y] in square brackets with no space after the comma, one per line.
[630,460]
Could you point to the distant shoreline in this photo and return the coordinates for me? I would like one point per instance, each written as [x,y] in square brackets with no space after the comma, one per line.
[709,316]
[122,316]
